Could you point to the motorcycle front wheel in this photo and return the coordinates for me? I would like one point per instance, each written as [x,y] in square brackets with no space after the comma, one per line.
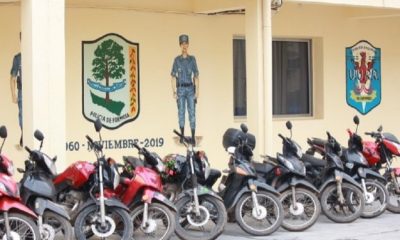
[160,224]
[393,204]
[22,227]
[207,225]
[304,214]
[118,224]
[345,212]
[259,224]
[56,227]
[376,199]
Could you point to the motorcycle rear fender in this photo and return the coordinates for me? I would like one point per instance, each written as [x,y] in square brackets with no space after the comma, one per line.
[107,202]
[372,174]
[246,189]
[41,205]
[12,205]
[200,191]
[297,182]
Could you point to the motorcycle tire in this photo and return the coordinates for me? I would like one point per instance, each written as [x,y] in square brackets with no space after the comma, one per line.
[299,222]
[374,186]
[24,223]
[87,214]
[393,204]
[246,203]
[60,225]
[329,194]
[217,213]
[158,210]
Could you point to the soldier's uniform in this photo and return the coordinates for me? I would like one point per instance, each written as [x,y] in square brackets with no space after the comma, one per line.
[17,72]
[185,70]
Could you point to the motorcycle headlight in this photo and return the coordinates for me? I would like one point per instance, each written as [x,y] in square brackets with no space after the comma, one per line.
[116,177]
[11,169]
[288,164]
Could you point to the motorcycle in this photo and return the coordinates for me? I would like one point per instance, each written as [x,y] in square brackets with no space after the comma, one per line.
[38,192]
[255,205]
[81,188]
[341,196]
[17,221]
[141,189]
[356,165]
[382,152]
[201,212]
[287,174]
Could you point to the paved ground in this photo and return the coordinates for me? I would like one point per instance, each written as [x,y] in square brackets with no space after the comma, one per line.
[385,227]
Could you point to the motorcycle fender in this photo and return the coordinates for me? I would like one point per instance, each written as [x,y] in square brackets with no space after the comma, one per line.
[162,199]
[9,204]
[298,182]
[42,205]
[349,179]
[200,191]
[107,202]
[326,183]
[247,189]
[372,174]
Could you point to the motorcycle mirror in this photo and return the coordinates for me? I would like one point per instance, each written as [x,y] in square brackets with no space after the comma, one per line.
[38,135]
[380,128]
[98,125]
[244,128]
[289,125]
[3,132]
[356,120]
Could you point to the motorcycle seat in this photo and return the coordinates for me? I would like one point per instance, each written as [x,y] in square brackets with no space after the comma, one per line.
[313,161]
[133,161]
[317,141]
[262,168]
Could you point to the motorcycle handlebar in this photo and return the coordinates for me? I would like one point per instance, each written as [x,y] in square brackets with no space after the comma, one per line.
[181,136]
[136,146]
[281,136]
[89,139]
[28,150]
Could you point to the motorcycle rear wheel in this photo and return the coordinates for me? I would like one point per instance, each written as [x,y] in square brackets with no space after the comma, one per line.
[393,204]
[61,226]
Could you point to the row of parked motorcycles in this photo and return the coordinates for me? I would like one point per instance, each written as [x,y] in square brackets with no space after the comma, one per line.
[149,197]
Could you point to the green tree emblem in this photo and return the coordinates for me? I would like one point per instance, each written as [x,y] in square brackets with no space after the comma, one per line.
[108,63]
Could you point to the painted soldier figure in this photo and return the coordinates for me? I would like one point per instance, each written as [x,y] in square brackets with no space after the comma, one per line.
[16,84]
[185,85]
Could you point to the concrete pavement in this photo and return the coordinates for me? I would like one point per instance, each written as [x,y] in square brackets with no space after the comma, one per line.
[384,227]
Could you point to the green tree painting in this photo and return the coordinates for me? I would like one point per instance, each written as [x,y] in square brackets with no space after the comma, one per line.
[108,63]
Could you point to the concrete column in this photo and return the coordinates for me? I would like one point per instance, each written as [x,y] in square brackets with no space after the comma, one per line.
[43,69]
[267,75]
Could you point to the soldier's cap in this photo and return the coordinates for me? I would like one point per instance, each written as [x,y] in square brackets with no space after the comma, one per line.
[183,38]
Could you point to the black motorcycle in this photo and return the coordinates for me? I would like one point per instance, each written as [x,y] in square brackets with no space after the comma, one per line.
[341,196]
[201,212]
[287,174]
[355,164]
[38,193]
[255,205]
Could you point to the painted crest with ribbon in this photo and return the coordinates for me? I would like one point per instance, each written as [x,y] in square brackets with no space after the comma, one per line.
[110,80]
[363,76]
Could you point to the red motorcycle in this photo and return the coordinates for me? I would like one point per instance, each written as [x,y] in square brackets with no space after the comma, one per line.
[152,213]
[16,220]
[138,188]
[382,152]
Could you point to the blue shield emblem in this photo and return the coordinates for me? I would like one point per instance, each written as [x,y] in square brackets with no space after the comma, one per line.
[363,76]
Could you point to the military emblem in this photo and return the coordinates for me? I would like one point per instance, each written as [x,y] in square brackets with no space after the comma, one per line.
[110,80]
[363,76]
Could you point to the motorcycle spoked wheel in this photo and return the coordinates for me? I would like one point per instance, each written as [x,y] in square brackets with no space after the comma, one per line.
[342,213]
[161,222]
[306,213]
[22,227]
[379,198]
[59,225]
[264,225]
[89,219]
[393,204]
[211,208]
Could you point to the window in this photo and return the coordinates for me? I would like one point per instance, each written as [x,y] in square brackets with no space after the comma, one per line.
[291,78]
[239,77]
[292,83]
